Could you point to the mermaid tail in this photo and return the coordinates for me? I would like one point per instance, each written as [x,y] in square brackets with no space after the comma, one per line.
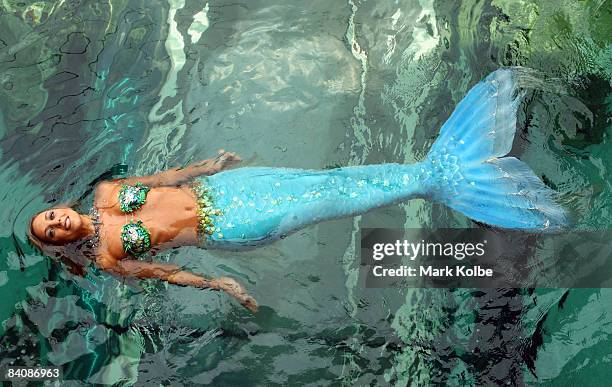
[465,169]
[476,179]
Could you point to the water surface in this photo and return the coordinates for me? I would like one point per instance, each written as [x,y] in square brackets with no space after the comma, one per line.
[90,89]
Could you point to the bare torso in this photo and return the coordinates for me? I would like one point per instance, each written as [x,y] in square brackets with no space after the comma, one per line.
[169,215]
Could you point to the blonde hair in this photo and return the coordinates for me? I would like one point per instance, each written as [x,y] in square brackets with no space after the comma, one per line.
[40,245]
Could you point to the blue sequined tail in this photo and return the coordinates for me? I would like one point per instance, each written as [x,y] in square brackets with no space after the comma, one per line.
[259,205]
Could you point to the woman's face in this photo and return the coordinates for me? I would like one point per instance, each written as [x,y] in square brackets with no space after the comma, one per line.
[57,226]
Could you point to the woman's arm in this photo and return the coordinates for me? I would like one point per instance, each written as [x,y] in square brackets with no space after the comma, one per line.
[175,275]
[176,176]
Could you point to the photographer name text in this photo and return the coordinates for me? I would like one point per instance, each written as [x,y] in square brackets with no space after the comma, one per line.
[431,271]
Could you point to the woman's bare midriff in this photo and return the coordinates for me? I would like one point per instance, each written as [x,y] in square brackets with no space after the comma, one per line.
[169,215]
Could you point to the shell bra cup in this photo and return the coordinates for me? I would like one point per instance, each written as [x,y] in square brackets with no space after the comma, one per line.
[135,237]
[132,197]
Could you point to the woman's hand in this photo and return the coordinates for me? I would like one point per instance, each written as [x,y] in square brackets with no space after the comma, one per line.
[228,159]
[233,288]
[223,161]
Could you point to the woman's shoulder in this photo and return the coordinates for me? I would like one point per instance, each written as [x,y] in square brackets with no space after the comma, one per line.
[104,191]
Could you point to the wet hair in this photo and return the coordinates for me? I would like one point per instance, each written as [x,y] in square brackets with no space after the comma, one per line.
[34,240]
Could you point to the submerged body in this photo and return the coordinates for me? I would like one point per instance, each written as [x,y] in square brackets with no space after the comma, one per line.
[248,207]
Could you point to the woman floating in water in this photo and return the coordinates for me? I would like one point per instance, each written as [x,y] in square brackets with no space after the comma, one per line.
[202,205]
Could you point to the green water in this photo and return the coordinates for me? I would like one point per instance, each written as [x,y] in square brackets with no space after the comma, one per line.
[91,88]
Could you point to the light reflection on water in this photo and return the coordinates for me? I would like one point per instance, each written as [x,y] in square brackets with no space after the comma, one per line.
[89,87]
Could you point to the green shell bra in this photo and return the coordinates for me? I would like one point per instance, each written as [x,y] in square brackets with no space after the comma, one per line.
[135,237]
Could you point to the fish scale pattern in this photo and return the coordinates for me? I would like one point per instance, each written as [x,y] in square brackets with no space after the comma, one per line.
[258,205]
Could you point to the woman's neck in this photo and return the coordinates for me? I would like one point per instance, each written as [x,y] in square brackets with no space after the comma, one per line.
[89,227]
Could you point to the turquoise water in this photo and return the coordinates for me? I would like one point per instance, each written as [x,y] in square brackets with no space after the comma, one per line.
[90,89]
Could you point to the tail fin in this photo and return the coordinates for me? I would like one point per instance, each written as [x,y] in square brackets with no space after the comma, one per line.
[471,173]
